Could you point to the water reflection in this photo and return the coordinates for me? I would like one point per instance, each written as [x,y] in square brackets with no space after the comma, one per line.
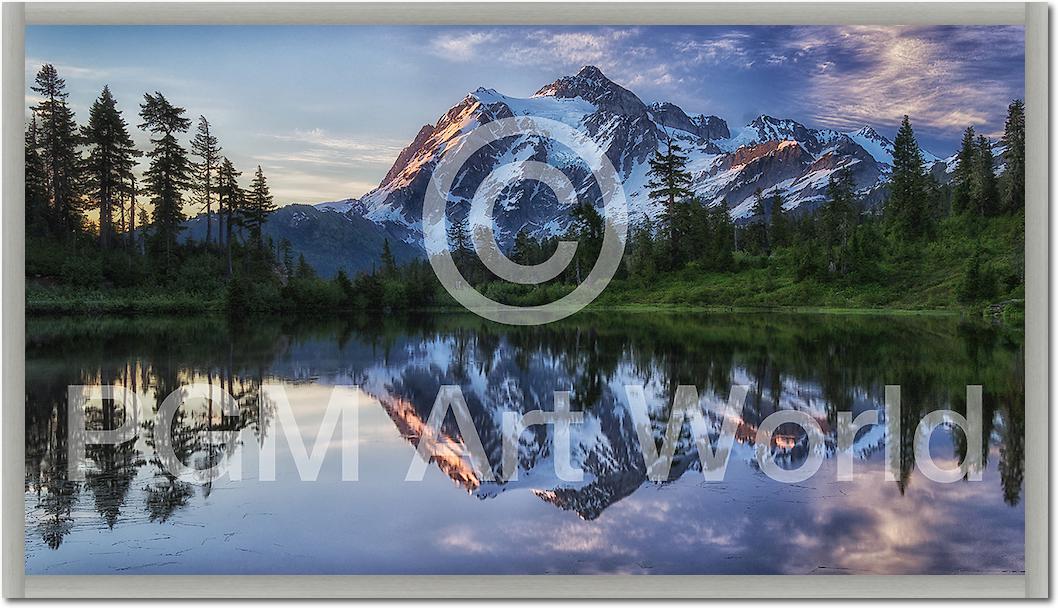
[819,364]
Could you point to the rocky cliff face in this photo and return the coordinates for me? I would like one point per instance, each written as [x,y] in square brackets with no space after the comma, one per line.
[775,155]
[770,154]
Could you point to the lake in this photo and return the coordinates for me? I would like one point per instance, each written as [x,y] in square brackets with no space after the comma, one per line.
[130,516]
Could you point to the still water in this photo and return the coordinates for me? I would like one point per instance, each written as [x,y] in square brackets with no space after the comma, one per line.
[130,516]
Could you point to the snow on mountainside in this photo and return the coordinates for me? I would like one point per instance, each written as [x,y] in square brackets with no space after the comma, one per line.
[728,166]
[772,154]
[880,148]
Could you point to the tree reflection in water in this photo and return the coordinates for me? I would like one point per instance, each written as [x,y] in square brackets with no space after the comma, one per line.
[821,364]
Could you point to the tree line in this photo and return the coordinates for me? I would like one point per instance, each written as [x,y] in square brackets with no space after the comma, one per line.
[73,170]
[845,241]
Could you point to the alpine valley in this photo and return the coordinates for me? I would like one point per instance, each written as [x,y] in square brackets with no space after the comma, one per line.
[727,166]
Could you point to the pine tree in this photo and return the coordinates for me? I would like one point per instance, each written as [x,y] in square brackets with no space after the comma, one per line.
[1014,157]
[985,188]
[779,229]
[756,241]
[145,226]
[907,208]
[670,184]
[345,287]
[58,138]
[838,220]
[977,283]
[721,244]
[207,150]
[640,259]
[963,177]
[286,251]
[230,201]
[389,263]
[259,206]
[459,237]
[304,271]
[131,191]
[588,227]
[169,171]
[522,252]
[111,158]
[36,184]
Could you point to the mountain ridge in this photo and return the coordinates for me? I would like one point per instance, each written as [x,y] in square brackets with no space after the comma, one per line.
[727,165]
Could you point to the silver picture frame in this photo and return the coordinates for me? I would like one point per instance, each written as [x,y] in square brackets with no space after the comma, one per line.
[1034,583]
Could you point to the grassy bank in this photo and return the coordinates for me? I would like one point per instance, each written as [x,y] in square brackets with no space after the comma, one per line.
[929,276]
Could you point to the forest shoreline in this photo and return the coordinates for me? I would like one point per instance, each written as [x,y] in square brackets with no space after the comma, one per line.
[157,305]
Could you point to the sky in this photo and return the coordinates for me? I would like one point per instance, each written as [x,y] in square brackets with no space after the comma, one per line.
[325,110]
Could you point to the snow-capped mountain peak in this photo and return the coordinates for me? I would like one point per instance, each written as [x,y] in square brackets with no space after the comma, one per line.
[774,155]
[343,206]
[591,85]
[876,144]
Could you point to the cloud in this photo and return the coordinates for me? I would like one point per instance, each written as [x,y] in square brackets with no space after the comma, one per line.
[318,146]
[731,49]
[65,70]
[617,51]
[295,185]
[945,79]
[461,47]
[315,165]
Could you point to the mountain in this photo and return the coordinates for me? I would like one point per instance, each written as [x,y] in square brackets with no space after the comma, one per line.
[769,153]
[332,236]
[727,165]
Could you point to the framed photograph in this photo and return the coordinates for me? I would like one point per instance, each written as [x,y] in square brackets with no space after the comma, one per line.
[517,300]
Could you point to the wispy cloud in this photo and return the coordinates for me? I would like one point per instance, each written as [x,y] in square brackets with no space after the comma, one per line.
[318,146]
[943,79]
[462,46]
[66,70]
[312,165]
[731,49]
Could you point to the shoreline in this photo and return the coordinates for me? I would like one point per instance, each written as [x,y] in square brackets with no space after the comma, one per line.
[149,307]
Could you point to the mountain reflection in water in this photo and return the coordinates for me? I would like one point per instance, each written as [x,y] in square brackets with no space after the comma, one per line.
[129,515]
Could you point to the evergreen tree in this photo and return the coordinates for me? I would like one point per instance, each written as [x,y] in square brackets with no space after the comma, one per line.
[131,191]
[721,244]
[779,228]
[169,171]
[522,252]
[670,184]
[1014,157]
[304,271]
[986,190]
[588,227]
[907,208]
[756,233]
[36,184]
[145,226]
[58,138]
[258,206]
[111,157]
[459,237]
[286,253]
[206,148]
[640,260]
[345,287]
[963,177]
[838,220]
[230,201]
[389,263]
[977,283]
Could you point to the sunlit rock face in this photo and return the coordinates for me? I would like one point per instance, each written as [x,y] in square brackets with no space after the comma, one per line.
[728,166]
